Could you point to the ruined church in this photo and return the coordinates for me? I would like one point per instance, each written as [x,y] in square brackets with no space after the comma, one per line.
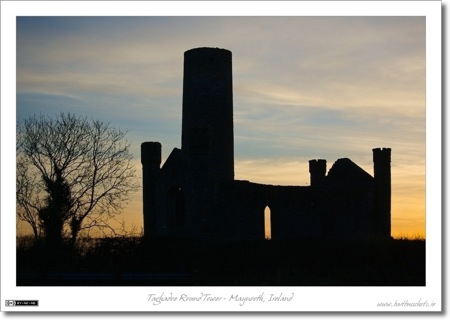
[194,193]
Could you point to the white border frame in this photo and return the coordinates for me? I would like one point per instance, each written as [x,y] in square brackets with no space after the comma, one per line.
[132,299]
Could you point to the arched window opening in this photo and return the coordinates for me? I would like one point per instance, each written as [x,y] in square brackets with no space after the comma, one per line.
[267,224]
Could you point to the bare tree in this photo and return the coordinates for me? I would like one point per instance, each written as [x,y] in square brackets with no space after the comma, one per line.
[72,174]
[28,196]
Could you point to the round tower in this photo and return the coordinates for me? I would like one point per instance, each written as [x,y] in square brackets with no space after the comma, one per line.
[317,170]
[382,191]
[207,126]
[151,162]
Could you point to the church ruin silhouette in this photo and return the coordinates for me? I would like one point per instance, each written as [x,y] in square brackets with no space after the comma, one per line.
[194,194]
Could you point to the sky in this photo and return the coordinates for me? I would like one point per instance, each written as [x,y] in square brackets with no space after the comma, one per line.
[304,88]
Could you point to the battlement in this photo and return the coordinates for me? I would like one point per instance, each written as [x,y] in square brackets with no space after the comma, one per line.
[151,152]
[381,154]
[317,169]
[317,163]
[382,149]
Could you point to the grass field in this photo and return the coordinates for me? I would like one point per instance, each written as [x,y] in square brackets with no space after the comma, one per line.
[303,262]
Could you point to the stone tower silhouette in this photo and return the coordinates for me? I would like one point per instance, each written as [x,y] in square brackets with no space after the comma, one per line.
[207,126]
[151,162]
[317,170]
[382,191]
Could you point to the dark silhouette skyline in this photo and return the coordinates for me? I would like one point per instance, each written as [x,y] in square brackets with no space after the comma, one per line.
[204,228]
[210,203]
